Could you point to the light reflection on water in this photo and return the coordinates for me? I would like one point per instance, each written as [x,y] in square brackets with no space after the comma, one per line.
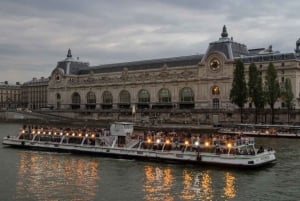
[34,176]
[52,176]
[160,184]
[229,189]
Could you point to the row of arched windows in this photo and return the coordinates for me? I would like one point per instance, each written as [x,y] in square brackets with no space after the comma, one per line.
[164,96]
[186,95]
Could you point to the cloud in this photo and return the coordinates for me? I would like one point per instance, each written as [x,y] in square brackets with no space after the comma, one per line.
[35,34]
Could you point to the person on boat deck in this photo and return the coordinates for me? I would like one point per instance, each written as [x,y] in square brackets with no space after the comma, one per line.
[261,150]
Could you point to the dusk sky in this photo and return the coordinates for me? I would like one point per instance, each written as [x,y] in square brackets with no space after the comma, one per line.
[36,34]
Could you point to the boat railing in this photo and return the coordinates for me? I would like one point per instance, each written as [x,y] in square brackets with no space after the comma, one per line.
[132,143]
[114,141]
[106,140]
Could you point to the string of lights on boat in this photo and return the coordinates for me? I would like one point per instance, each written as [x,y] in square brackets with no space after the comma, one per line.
[60,133]
[158,141]
[188,143]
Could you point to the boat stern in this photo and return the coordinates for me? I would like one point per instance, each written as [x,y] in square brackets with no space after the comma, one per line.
[262,159]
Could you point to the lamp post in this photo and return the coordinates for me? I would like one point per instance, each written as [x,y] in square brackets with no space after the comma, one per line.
[133,113]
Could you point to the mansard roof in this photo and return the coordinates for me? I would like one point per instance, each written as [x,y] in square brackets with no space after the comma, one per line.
[146,64]
[227,46]
[230,48]
[74,66]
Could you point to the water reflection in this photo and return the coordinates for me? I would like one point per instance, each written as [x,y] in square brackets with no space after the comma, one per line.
[160,184]
[229,189]
[197,186]
[187,192]
[46,176]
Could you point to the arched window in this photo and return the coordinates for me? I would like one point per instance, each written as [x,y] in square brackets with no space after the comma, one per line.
[75,101]
[91,98]
[164,96]
[215,90]
[107,97]
[76,98]
[186,95]
[143,96]
[124,96]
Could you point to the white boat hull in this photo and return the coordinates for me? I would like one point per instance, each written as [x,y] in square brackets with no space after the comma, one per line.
[250,161]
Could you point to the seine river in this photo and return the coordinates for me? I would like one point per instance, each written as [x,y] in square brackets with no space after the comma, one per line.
[32,176]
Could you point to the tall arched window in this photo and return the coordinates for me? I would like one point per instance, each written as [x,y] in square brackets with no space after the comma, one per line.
[164,96]
[186,95]
[75,98]
[91,101]
[107,97]
[143,99]
[143,96]
[91,98]
[75,101]
[124,96]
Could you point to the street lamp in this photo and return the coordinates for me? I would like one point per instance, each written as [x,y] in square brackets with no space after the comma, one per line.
[133,113]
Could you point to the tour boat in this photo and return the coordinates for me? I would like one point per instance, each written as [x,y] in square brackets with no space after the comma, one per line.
[120,142]
[263,130]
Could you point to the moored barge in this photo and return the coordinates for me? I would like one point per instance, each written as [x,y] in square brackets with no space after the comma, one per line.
[262,130]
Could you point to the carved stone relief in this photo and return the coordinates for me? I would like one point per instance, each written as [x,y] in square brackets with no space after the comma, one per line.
[124,75]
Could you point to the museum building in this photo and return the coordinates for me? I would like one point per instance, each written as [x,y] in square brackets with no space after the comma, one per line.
[186,83]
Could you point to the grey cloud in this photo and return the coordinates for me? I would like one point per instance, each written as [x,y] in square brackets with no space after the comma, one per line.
[35,34]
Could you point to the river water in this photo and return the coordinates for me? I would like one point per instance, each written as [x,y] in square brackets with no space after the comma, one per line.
[34,176]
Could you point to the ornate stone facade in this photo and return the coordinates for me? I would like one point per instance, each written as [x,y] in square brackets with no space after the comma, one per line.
[187,83]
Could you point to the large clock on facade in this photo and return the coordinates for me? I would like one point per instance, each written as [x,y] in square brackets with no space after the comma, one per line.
[214,64]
